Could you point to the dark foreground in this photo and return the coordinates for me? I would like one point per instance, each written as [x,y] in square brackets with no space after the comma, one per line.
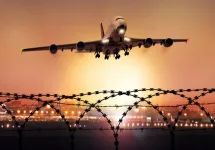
[148,139]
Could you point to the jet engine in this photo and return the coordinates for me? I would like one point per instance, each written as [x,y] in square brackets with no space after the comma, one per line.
[80,46]
[168,42]
[148,42]
[53,49]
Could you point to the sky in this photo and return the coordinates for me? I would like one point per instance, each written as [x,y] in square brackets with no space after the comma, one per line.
[27,24]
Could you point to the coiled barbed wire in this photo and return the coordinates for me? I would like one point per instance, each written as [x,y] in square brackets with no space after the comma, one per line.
[56,98]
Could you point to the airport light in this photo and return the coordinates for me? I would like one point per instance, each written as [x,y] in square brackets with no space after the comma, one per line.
[185,114]
[168,114]
[143,107]
[41,112]
[48,106]
[52,112]
[24,111]
[201,114]
[66,112]
[18,111]
[36,112]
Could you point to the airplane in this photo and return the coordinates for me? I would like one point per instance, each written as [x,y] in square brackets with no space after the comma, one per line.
[111,43]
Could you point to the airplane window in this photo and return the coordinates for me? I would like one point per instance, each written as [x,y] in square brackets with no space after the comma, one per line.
[119,18]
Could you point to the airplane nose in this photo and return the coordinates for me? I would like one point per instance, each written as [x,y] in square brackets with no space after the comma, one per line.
[122,27]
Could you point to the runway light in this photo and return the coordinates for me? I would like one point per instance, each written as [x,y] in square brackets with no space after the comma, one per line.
[8,125]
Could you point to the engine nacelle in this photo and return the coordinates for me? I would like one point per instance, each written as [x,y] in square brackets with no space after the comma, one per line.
[80,46]
[53,49]
[148,42]
[168,42]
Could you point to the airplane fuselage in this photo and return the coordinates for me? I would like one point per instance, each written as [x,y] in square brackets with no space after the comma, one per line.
[114,36]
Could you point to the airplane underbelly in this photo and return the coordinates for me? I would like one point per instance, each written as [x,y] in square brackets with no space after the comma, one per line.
[116,37]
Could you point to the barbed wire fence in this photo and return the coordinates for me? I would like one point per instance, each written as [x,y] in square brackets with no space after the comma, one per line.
[56,98]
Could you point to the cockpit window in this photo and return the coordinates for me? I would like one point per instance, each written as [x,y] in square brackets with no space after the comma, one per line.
[119,18]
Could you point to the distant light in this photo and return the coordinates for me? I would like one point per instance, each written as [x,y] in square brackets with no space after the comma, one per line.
[48,106]
[185,114]
[66,112]
[201,114]
[18,111]
[72,112]
[143,107]
[168,114]
[8,125]
[24,111]
[36,112]
[41,112]
[52,112]
[79,112]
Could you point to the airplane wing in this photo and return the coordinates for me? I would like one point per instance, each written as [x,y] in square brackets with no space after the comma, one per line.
[148,42]
[80,46]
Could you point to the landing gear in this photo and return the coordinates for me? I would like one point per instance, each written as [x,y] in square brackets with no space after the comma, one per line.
[117,56]
[97,53]
[107,54]
[116,53]
[126,53]
[126,50]
[106,57]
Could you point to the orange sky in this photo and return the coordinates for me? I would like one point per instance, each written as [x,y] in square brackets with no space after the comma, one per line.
[27,23]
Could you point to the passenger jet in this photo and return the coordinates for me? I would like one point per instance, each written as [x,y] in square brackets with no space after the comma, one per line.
[111,43]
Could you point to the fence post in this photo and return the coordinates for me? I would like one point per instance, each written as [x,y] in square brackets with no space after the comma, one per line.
[20,138]
[172,136]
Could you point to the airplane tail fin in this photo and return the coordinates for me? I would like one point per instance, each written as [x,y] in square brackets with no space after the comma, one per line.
[102,31]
